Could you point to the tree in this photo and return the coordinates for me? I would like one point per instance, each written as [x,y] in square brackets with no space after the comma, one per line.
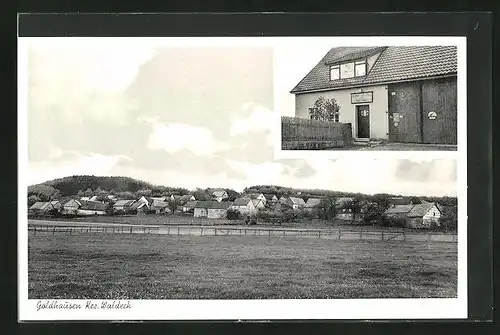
[201,195]
[233,195]
[328,208]
[32,199]
[88,192]
[355,208]
[233,214]
[415,200]
[80,193]
[173,204]
[325,110]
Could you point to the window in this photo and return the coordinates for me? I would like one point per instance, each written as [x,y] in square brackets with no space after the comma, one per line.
[334,72]
[360,68]
[347,70]
[313,113]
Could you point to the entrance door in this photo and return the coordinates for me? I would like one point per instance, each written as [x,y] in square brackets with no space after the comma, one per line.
[404,113]
[363,121]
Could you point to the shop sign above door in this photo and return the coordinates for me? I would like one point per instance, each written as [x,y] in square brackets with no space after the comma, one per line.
[362,97]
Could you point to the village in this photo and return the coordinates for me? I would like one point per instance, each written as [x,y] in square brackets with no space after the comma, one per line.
[253,208]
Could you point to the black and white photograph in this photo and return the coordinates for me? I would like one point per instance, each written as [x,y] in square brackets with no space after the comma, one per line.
[382,98]
[151,190]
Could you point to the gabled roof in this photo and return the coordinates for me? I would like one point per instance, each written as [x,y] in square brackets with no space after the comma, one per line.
[399,201]
[256,201]
[219,193]
[159,204]
[39,205]
[120,203]
[190,204]
[92,205]
[212,204]
[270,196]
[177,197]
[313,202]
[137,205]
[297,201]
[399,209]
[186,197]
[253,195]
[421,209]
[395,63]
[242,201]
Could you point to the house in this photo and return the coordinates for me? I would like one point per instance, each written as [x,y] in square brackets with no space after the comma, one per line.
[186,198]
[188,206]
[160,198]
[91,208]
[398,211]
[258,203]
[71,207]
[296,203]
[123,206]
[244,205]
[211,209]
[393,93]
[159,206]
[313,203]
[220,195]
[271,198]
[257,196]
[175,197]
[424,215]
[344,210]
[94,198]
[283,200]
[139,207]
[44,208]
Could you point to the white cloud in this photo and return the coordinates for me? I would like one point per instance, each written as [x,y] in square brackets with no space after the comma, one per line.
[177,136]
[261,173]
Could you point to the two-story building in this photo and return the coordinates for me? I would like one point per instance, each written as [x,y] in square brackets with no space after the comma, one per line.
[395,93]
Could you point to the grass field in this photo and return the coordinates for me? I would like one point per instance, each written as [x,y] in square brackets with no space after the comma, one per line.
[108,266]
[187,220]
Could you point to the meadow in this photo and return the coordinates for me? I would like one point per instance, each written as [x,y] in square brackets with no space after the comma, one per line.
[117,266]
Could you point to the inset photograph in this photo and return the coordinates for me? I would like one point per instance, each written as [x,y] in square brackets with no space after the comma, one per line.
[398,98]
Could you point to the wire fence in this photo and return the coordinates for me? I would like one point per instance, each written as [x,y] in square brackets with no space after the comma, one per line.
[333,234]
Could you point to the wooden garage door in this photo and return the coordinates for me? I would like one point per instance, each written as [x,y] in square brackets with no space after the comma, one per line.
[439,107]
[404,112]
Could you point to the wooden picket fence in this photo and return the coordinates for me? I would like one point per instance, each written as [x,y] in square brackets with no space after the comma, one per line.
[297,133]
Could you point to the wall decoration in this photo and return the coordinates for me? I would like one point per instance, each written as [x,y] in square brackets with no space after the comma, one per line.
[432,115]
[362,97]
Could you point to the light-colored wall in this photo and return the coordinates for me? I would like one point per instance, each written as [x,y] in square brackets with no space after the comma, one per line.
[90,212]
[379,122]
[200,212]
[216,213]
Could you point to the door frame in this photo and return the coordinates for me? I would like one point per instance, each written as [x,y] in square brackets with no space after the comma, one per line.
[356,117]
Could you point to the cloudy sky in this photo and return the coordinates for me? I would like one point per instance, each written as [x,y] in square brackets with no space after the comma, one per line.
[189,116]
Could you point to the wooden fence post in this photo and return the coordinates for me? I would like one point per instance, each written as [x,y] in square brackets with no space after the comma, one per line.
[70,229]
[178,231]
[404,236]
[361,234]
[201,232]
[54,230]
[382,236]
[319,233]
[269,233]
[130,230]
[340,232]
[215,231]
[34,230]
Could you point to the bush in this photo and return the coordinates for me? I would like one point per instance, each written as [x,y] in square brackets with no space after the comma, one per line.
[399,222]
[250,220]
[233,214]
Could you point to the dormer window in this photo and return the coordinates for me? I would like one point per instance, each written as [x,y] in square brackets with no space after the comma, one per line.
[348,70]
[360,68]
[334,72]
